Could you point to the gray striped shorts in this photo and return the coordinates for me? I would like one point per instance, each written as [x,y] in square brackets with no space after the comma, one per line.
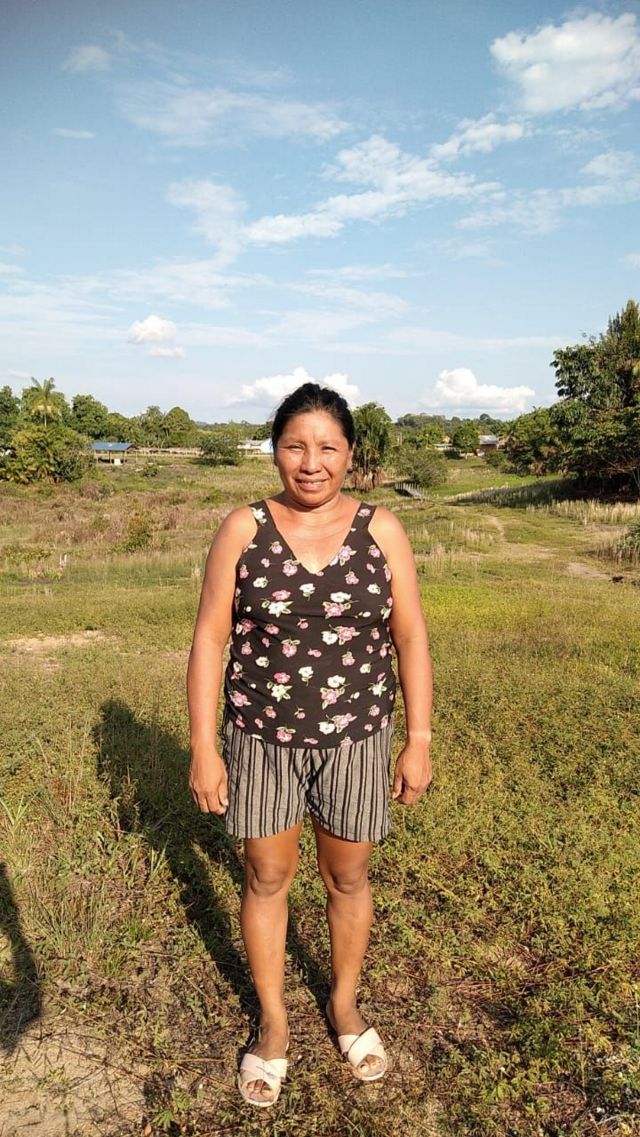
[271,787]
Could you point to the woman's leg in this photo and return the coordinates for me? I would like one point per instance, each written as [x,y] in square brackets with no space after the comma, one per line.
[270,866]
[344,869]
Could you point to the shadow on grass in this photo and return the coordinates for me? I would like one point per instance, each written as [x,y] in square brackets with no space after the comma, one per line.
[514,497]
[146,770]
[20,999]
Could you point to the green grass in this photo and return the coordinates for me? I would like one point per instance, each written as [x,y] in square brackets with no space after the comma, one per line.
[503,968]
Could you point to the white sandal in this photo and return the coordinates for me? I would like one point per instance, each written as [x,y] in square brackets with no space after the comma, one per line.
[354,1048]
[273,1071]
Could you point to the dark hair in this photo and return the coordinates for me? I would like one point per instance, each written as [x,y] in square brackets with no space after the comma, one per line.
[312,397]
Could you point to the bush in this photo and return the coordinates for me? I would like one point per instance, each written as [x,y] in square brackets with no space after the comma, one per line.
[220,449]
[139,532]
[426,468]
[628,547]
[52,453]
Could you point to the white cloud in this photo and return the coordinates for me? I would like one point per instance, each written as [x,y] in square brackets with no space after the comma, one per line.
[67,132]
[361,272]
[151,330]
[373,305]
[189,116]
[166,352]
[399,181]
[87,57]
[460,388]
[632,259]
[589,62]
[12,250]
[10,270]
[479,135]
[218,209]
[273,388]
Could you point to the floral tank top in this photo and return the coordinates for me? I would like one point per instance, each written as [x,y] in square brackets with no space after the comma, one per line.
[311,660]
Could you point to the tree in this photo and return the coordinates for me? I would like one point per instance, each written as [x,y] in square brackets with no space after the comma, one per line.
[52,453]
[117,428]
[373,438]
[219,447]
[9,411]
[149,427]
[40,401]
[89,416]
[598,415]
[466,438]
[179,428]
[425,467]
[532,444]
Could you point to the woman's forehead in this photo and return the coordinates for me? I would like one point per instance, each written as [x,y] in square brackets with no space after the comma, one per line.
[313,424]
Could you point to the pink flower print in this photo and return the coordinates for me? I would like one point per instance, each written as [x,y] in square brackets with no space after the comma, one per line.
[375,634]
[246,649]
[368,726]
[373,551]
[345,634]
[265,561]
[387,573]
[272,629]
[348,659]
[289,568]
[351,577]
[369,649]
[299,714]
[275,547]
[303,625]
[364,512]
[289,648]
[259,723]
[270,712]
[281,594]
[311,741]
[237,669]
[374,711]
[281,677]
[239,699]
[240,722]
[384,651]
[243,572]
[342,721]
[384,721]
[245,626]
[329,697]
[314,652]
[265,640]
[371,568]
[285,733]
[333,609]
[345,554]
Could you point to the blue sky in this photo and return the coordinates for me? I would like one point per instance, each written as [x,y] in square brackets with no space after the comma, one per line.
[205,202]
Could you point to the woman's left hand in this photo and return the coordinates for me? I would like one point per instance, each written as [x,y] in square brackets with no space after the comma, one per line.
[413,772]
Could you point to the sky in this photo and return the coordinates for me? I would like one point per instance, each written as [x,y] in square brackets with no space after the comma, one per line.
[205,202]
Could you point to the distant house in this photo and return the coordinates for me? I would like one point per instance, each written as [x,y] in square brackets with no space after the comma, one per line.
[256,446]
[488,442]
[115,453]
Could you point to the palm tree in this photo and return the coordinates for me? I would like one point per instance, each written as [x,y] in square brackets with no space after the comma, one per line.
[41,401]
[373,437]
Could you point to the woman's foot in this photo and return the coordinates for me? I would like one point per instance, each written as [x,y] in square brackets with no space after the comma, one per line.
[347,1020]
[272,1043]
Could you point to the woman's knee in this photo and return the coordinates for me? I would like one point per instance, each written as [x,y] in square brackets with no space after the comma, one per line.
[345,880]
[266,878]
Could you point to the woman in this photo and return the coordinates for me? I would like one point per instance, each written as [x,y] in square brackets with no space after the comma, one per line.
[313,590]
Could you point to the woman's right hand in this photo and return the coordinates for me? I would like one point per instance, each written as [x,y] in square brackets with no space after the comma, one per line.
[208,782]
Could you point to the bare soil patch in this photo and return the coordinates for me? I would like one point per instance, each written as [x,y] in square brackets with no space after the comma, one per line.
[43,645]
[577,568]
[63,1082]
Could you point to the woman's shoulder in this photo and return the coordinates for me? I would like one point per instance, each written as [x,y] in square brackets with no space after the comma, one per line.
[387,530]
[239,527]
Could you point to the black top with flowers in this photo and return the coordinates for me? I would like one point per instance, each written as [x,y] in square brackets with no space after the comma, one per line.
[310,661]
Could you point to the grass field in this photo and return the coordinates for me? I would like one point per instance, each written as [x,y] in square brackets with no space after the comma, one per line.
[504,968]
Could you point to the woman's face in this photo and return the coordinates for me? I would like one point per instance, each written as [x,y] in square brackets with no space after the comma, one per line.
[312,457]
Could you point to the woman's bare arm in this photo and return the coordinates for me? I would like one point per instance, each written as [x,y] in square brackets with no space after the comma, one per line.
[207,775]
[409,634]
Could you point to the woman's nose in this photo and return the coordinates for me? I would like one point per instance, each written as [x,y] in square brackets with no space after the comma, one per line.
[311,460]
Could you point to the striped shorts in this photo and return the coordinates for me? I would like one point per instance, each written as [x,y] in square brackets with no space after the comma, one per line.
[271,787]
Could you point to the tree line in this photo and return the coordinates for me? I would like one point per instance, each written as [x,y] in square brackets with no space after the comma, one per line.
[591,433]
